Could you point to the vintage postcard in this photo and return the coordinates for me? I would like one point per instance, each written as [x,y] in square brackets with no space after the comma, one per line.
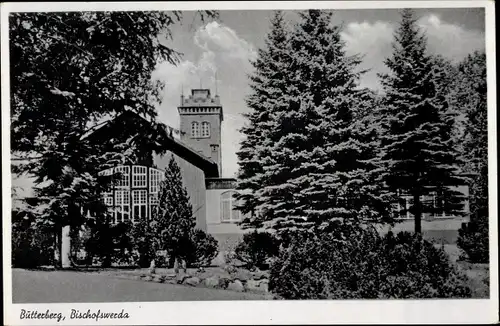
[249,163]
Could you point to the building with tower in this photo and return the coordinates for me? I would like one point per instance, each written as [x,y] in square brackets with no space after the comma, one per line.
[197,151]
[201,117]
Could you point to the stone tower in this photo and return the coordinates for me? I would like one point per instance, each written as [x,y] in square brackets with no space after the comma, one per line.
[200,121]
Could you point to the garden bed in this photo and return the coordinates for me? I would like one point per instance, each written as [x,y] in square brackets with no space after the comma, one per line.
[233,279]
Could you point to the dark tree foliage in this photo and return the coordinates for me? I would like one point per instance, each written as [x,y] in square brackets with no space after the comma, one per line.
[314,158]
[144,238]
[256,248]
[174,221]
[470,95]
[32,242]
[68,71]
[418,152]
[204,249]
[348,261]
[268,84]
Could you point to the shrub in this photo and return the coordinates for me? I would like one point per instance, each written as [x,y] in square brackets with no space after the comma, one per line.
[32,242]
[256,248]
[161,259]
[111,244]
[204,249]
[473,240]
[143,244]
[349,262]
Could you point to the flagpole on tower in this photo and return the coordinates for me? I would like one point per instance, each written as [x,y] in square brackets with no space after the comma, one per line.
[182,94]
[216,84]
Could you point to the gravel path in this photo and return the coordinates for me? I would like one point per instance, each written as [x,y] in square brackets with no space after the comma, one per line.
[69,286]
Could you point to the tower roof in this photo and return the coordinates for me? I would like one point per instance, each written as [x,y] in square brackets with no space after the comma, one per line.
[201,98]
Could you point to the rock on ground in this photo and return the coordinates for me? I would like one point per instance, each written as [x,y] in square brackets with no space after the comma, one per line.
[252,285]
[193,281]
[181,277]
[236,285]
[257,285]
[259,275]
[212,281]
[224,282]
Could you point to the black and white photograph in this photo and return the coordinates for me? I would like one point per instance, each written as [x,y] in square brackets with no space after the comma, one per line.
[243,158]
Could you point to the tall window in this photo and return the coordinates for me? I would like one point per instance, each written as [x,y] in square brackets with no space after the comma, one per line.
[139,202]
[155,179]
[405,208]
[195,129]
[439,205]
[139,176]
[228,209]
[122,205]
[123,182]
[205,129]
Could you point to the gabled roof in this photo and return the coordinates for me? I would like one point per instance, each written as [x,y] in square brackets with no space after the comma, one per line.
[163,140]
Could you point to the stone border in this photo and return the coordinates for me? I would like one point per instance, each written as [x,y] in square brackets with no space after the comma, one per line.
[239,281]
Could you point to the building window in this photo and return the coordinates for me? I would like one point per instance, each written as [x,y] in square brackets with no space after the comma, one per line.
[131,197]
[439,205]
[108,198]
[195,129]
[139,204]
[405,206]
[155,179]
[205,129]
[122,206]
[228,207]
[139,176]
[434,205]
[124,181]
[153,204]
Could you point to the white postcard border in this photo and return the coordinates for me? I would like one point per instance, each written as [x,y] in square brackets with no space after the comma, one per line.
[262,312]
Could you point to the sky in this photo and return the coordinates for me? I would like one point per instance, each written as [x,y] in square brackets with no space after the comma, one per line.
[222,50]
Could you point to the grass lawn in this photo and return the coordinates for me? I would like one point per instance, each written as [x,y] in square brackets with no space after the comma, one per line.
[478,274]
[30,286]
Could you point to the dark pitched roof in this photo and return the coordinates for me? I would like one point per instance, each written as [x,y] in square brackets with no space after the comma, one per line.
[163,140]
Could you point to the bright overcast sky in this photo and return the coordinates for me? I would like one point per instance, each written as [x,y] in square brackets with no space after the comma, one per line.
[227,46]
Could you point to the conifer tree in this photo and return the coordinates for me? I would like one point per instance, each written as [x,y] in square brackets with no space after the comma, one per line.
[315,163]
[470,95]
[268,84]
[418,156]
[174,221]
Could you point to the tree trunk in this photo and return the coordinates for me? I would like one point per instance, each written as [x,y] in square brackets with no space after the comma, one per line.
[57,249]
[179,264]
[65,247]
[417,208]
[171,261]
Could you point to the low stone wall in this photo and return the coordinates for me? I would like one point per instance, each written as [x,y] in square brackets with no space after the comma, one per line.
[233,279]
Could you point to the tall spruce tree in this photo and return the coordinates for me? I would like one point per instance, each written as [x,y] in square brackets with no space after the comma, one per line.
[173,221]
[268,84]
[314,164]
[418,156]
[470,95]
[470,98]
